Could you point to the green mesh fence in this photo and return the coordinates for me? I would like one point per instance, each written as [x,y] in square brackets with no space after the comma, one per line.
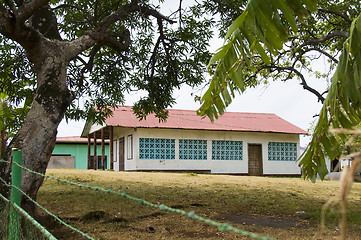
[27,229]
[36,224]
[4,219]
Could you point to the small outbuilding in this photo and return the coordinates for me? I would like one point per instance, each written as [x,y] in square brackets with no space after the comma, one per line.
[236,143]
[72,152]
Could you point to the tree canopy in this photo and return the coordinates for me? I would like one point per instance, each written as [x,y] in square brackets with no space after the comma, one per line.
[274,40]
[55,52]
[136,48]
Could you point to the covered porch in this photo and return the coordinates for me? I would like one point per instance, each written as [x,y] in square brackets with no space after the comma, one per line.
[96,160]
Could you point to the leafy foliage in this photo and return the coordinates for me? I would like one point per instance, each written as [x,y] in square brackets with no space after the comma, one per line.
[158,57]
[341,109]
[226,10]
[17,83]
[259,27]
[273,40]
[144,50]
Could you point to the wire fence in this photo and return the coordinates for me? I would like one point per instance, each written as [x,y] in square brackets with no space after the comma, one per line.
[48,212]
[30,228]
[224,227]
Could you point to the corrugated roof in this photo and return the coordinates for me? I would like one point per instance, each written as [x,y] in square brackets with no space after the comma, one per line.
[75,139]
[186,119]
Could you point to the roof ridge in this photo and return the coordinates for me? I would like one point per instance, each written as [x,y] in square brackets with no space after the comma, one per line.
[188,119]
[195,111]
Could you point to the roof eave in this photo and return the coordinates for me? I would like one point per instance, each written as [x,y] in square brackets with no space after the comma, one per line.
[209,129]
[86,129]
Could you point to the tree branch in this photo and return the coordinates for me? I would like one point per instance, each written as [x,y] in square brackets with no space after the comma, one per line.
[344,16]
[303,80]
[119,45]
[95,18]
[329,36]
[118,15]
[103,36]
[12,7]
[5,18]
[155,13]
[86,13]
[322,52]
[76,46]
[89,65]
[28,8]
[152,58]
[180,13]
[132,7]
[162,37]
[21,33]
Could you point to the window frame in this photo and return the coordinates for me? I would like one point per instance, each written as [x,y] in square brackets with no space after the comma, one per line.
[115,150]
[130,147]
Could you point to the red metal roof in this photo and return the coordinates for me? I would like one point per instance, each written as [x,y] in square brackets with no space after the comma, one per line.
[186,119]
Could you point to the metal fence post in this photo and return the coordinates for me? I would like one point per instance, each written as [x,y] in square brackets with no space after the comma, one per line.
[15,195]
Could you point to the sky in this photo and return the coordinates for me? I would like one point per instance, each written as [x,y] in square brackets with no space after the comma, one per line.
[287,99]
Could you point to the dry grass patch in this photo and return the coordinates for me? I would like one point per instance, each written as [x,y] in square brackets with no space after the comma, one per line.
[284,208]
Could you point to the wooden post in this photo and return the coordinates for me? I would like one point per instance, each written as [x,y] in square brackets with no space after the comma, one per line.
[95,158]
[111,149]
[89,143]
[103,148]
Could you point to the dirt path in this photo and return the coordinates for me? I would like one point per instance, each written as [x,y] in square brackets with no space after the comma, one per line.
[264,221]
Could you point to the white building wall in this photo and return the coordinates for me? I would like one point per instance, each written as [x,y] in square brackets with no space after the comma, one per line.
[280,167]
[219,166]
[118,133]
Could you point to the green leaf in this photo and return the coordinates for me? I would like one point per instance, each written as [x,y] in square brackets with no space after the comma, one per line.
[220,106]
[226,98]
[3,96]
[266,59]
[287,12]
[220,54]
[236,24]
[321,167]
[237,77]
[310,4]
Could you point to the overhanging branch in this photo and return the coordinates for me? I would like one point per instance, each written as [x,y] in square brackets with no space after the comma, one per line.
[85,12]
[344,16]
[322,52]
[102,35]
[329,36]
[132,7]
[155,13]
[300,75]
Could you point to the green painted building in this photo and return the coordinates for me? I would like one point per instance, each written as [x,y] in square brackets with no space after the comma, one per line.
[72,152]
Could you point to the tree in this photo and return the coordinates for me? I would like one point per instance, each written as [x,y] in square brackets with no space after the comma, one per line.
[273,39]
[54,52]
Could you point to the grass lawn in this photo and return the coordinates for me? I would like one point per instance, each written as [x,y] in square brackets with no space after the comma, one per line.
[283,208]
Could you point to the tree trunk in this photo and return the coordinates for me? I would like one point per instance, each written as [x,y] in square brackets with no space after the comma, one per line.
[3,140]
[37,135]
